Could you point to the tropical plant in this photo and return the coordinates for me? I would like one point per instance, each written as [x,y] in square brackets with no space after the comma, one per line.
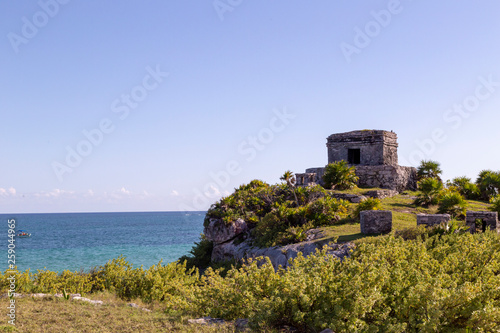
[488,183]
[429,169]
[289,178]
[340,176]
[367,204]
[495,204]
[429,190]
[453,203]
[465,187]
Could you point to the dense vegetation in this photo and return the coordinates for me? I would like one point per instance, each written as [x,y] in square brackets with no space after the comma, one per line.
[434,283]
[440,279]
[279,214]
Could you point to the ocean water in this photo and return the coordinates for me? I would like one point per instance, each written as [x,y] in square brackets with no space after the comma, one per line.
[80,241]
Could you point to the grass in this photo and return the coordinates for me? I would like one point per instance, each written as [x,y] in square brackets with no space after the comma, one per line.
[52,314]
[404,214]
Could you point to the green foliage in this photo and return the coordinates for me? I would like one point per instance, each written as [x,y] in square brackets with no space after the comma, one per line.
[453,203]
[340,176]
[429,191]
[286,224]
[465,187]
[201,254]
[429,169]
[367,204]
[488,183]
[495,204]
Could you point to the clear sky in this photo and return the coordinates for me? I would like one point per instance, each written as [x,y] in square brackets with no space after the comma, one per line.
[167,105]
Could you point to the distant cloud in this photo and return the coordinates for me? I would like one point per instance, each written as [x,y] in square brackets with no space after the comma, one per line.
[213,193]
[10,192]
[125,191]
[174,193]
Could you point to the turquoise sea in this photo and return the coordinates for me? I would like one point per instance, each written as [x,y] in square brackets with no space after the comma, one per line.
[80,241]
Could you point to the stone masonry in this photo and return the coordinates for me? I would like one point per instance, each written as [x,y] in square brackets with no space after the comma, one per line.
[374,154]
[432,219]
[371,146]
[375,221]
[484,221]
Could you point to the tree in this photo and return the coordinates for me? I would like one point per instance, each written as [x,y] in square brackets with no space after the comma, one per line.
[465,187]
[289,178]
[429,169]
[489,183]
[453,203]
[340,176]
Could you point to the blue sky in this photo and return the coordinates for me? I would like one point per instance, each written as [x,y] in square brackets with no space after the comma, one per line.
[171,104]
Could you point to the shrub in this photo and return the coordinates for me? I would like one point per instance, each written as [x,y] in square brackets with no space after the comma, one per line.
[488,183]
[453,203]
[465,187]
[367,204]
[495,204]
[327,210]
[429,190]
[201,254]
[429,169]
[340,176]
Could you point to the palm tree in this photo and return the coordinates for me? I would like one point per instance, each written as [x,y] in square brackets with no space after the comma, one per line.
[488,183]
[289,178]
[429,169]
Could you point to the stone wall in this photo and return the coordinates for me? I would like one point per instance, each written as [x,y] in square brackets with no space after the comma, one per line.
[396,178]
[376,147]
[489,218]
[375,221]
[432,219]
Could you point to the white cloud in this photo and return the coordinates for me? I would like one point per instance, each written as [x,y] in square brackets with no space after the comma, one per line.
[174,193]
[12,191]
[125,191]
[213,193]
[3,192]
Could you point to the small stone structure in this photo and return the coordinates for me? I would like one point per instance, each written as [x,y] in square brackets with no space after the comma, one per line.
[375,221]
[374,154]
[485,220]
[430,220]
[368,147]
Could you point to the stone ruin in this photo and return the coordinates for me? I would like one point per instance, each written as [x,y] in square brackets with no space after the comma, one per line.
[430,220]
[374,154]
[482,220]
[375,221]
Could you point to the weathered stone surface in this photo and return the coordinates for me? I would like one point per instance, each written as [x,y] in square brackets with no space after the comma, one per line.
[219,232]
[354,198]
[432,219]
[206,321]
[375,147]
[279,255]
[381,194]
[486,220]
[377,165]
[397,178]
[375,221]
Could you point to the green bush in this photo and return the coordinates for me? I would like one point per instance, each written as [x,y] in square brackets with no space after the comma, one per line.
[488,183]
[465,187]
[367,204]
[200,255]
[453,203]
[429,169]
[495,204]
[340,176]
[429,191]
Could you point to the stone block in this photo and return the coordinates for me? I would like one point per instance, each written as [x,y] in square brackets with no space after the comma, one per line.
[432,219]
[483,220]
[375,221]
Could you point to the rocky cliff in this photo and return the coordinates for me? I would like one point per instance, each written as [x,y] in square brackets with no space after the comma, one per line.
[233,241]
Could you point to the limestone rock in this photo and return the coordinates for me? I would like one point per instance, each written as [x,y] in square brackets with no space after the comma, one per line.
[375,221]
[219,232]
